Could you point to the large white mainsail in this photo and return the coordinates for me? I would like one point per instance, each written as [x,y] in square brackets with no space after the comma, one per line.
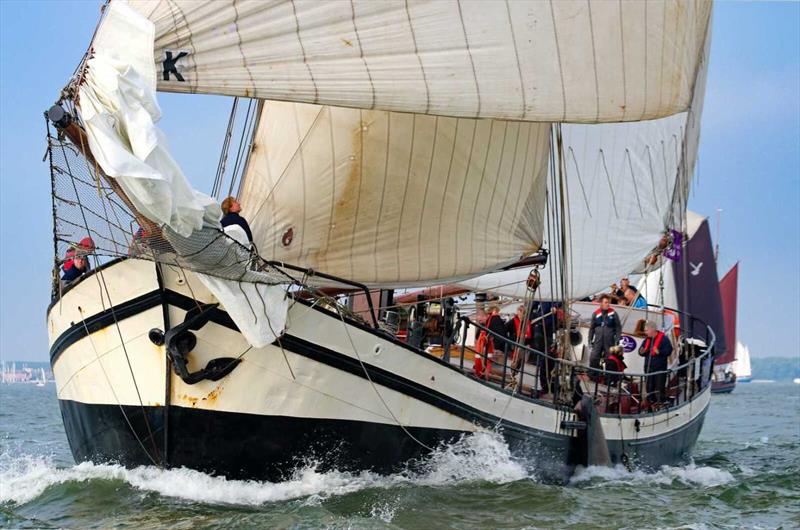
[389,198]
[457,60]
[566,60]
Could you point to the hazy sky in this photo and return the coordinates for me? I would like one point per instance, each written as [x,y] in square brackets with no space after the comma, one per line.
[749,164]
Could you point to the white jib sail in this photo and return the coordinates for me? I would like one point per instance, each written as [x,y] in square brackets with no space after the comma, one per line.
[394,199]
[119,111]
[565,60]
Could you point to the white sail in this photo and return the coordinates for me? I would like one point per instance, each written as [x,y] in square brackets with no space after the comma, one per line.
[658,286]
[741,366]
[566,60]
[393,199]
[623,184]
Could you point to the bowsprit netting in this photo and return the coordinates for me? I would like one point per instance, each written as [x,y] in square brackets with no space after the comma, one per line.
[86,204]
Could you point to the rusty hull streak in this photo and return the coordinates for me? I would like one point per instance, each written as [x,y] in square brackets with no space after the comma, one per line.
[213,395]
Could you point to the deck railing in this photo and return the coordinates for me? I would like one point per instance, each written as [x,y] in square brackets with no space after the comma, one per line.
[614,392]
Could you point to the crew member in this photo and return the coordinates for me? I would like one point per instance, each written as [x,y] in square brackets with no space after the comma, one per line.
[488,341]
[514,327]
[604,332]
[543,343]
[634,299]
[76,263]
[231,208]
[656,350]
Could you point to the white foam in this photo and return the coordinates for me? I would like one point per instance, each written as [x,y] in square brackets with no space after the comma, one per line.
[690,475]
[384,511]
[479,457]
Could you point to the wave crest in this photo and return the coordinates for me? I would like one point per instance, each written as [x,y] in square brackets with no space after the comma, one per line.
[476,457]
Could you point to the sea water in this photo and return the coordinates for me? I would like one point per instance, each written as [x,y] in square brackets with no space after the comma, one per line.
[745,473]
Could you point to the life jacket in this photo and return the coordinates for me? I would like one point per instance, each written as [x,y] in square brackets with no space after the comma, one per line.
[86,246]
[484,345]
[599,311]
[676,322]
[617,361]
[517,325]
[656,343]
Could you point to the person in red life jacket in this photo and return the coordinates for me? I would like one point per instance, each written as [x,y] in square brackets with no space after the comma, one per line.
[615,362]
[487,342]
[514,328]
[604,332]
[514,333]
[76,263]
[656,350]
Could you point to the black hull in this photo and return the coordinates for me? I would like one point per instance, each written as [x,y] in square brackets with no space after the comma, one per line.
[671,449]
[725,387]
[249,446]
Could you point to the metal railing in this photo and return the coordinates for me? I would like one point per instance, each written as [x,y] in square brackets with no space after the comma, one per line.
[614,392]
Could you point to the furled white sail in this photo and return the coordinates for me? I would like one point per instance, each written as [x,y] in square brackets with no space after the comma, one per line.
[119,112]
[393,199]
[565,60]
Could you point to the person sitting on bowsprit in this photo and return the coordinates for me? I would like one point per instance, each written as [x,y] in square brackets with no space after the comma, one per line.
[656,350]
[604,331]
[231,208]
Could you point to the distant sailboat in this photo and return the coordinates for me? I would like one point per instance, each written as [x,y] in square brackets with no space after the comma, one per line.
[741,367]
[43,380]
[725,375]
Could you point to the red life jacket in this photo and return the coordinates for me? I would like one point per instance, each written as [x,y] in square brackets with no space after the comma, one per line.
[518,325]
[656,344]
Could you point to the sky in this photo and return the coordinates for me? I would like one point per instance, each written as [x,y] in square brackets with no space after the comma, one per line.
[749,162]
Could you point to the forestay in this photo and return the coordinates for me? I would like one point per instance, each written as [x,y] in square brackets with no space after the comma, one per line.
[394,199]
[566,60]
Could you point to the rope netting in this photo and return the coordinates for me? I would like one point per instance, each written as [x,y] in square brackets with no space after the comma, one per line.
[92,219]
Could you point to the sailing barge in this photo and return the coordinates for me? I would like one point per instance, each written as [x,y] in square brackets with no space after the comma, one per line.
[187,345]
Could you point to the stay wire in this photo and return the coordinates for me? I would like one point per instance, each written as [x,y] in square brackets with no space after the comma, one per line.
[127,359]
[374,388]
[113,392]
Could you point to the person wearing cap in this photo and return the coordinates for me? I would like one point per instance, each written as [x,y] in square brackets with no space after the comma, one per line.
[656,350]
[634,299]
[231,208]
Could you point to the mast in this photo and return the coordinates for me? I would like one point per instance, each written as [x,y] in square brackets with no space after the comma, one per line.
[716,247]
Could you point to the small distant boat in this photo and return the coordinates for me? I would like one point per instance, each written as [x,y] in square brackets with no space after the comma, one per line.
[741,366]
[796,380]
[768,380]
[43,380]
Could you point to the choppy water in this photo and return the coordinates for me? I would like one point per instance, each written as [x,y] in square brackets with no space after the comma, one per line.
[746,473]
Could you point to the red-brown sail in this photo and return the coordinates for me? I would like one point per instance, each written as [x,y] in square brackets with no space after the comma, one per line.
[727,292]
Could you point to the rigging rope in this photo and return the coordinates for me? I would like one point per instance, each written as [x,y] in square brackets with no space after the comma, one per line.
[113,392]
[374,388]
